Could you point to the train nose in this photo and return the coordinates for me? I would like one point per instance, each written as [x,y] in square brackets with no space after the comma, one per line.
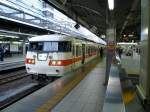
[42,56]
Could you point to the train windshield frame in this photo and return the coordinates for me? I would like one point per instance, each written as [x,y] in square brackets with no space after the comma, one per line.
[50,46]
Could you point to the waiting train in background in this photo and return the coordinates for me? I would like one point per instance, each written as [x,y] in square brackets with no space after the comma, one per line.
[57,54]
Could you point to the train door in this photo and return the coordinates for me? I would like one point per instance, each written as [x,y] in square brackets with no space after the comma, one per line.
[83,53]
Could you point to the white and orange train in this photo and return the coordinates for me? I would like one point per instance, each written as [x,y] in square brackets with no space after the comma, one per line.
[57,54]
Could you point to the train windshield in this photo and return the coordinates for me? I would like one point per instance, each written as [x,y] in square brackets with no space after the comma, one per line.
[36,46]
[61,46]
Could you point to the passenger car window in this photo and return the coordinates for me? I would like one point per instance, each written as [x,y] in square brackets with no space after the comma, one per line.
[73,50]
[64,46]
[77,50]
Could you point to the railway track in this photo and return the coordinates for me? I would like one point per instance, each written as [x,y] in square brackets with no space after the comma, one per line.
[18,96]
[10,77]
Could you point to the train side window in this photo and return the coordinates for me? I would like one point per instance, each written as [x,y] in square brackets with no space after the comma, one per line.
[80,51]
[73,50]
[77,50]
[89,50]
[64,46]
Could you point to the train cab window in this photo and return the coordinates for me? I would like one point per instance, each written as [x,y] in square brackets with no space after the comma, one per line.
[61,46]
[36,46]
[50,46]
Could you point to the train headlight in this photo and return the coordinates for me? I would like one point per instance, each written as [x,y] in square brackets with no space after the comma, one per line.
[33,61]
[30,61]
[58,62]
[53,62]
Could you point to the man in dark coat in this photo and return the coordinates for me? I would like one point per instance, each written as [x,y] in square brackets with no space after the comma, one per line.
[120,52]
[101,52]
[1,53]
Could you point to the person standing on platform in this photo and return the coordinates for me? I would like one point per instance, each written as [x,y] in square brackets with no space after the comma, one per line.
[1,53]
[101,52]
[120,52]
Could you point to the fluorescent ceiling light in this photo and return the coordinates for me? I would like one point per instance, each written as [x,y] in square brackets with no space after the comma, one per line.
[126,43]
[111,4]
[6,36]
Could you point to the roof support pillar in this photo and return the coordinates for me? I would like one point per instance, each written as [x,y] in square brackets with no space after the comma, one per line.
[144,81]
[111,41]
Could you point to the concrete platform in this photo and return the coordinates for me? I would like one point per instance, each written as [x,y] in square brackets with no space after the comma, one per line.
[12,62]
[87,96]
[12,59]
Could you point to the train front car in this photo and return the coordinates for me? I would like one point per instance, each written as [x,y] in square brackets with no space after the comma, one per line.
[49,55]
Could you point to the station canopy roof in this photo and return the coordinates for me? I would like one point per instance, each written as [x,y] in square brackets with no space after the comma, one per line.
[93,12]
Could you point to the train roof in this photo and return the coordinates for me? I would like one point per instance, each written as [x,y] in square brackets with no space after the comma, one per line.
[51,37]
[58,37]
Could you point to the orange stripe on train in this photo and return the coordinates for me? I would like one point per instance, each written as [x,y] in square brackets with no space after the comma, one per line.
[68,61]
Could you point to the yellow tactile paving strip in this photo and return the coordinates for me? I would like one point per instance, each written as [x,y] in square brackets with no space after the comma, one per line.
[52,102]
[128,96]
[128,93]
